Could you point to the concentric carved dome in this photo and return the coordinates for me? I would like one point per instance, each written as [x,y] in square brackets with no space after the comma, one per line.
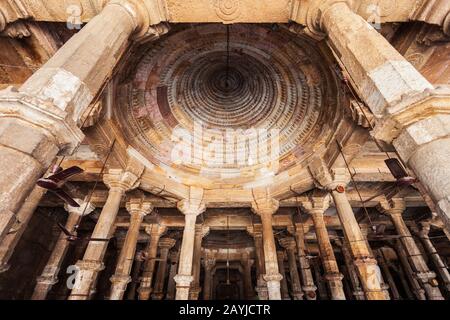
[273,89]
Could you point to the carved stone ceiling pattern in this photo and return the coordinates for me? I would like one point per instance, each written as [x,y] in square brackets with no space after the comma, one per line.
[276,80]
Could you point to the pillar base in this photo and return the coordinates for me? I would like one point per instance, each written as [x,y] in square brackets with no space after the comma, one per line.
[119,286]
[273,285]
[157,296]
[310,292]
[194,293]
[183,286]
[144,293]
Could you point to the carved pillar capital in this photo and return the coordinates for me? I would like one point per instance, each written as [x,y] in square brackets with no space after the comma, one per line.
[311,13]
[139,206]
[124,180]
[324,178]
[392,207]
[155,230]
[288,243]
[316,203]
[194,205]
[167,243]
[265,206]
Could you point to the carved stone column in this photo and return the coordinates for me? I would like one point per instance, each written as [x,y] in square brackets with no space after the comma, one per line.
[246,263]
[24,215]
[200,232]
[289,244]
[265,208]
[387,273]
[358,292]
[308,287]
[191,209]
[138,260]
[172,273]
[408,110]
[316,206]
[417,289]
[283,283]
[118,181]
[261,286]
[208,264]
[369,273]
[138,208]
[423,274]
[145,288]
[165,244]
[321,287]
[43,117]
[439,265]
[49,275]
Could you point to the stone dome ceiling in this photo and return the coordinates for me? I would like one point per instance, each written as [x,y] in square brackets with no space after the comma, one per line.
[278,89]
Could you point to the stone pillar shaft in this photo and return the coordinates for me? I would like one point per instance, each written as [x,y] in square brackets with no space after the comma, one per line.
[418,291]
[47,110]
[138,209]
[423,274]
[119,181]
[158,292]
[261,286]
[248,288]
[439,265]
[184,276]
[283,283]
[365,263]
[196,261]
[145,288]
[332,274]
[172,273]
[358,292]
[207,284]
[296,288]
[272,275]
[24,215]
[305,270]
[49,275]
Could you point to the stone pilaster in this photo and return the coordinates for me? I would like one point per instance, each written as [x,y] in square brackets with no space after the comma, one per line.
[138,208]
[289,244]
[191,208]
[42,118]
[145,288]
[265,208]
[427,279]
[49,275]
[308,285]
[118,181]
[442,270]
[316,205]
[165,244]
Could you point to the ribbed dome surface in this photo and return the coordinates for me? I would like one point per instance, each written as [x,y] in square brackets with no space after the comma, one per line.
[270,79]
